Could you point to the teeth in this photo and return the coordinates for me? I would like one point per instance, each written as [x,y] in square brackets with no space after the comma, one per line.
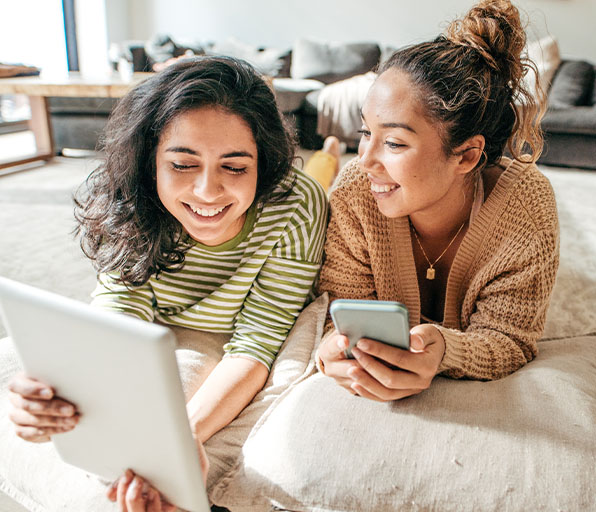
[382,188]
[203,212]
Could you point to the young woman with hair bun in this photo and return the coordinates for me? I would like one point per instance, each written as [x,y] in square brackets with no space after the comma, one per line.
[434,215]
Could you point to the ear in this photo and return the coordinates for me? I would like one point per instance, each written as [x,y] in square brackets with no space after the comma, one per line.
[469,154]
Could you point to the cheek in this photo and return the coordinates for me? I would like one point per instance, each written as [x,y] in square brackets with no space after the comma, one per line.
[245,186]
[165,186]
[248,190]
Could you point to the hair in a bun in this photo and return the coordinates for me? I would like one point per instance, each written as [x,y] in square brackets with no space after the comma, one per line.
[493,28]
[472,80]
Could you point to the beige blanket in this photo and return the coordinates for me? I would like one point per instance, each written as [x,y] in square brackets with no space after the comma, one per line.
[338,107]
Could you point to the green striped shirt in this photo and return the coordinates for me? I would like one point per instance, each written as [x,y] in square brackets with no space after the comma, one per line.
[253,286]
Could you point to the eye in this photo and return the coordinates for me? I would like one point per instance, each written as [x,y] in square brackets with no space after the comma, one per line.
[235,170]
[364,133]
[181,167]
[394,145]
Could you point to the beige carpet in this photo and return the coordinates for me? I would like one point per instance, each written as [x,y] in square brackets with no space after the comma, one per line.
[36,221]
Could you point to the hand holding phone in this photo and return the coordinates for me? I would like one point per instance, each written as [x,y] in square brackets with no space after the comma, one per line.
[384,321]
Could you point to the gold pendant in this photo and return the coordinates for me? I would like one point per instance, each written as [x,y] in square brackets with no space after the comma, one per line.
[430,273]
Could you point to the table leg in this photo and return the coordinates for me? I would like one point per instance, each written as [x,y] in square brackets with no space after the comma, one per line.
[40,125]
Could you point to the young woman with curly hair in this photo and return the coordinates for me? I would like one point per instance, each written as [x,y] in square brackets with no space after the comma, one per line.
[196,218]
[433,215]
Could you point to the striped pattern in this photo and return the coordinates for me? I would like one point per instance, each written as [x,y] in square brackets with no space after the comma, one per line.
[254,290]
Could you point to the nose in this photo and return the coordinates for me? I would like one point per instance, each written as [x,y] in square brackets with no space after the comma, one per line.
[207,185]
[368,154]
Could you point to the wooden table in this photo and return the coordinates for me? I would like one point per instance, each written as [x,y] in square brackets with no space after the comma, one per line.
[39,88]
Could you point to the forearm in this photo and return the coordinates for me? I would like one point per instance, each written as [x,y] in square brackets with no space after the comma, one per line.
[227,391]
[485,354]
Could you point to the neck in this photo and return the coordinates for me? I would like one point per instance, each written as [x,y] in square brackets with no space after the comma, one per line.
[445,219]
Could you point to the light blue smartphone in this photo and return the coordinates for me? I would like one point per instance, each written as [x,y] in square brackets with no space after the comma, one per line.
[379,320]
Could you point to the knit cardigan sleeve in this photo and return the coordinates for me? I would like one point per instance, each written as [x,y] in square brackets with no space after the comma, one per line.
[508,315]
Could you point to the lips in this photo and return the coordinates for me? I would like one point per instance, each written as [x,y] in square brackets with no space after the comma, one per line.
[204,212]
[207,213]
[382,188]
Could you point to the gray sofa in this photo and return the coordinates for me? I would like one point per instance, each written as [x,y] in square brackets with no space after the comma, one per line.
[569,125]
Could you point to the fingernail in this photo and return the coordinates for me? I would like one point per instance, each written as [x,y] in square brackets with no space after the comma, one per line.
[340,343]
[128,476]
[67,410]
[356,352]
[363,344]
[45,393]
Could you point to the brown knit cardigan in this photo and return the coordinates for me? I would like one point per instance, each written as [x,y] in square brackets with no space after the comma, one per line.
[500,281]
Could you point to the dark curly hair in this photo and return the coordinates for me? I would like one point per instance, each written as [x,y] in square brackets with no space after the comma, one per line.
[472,83]
[122,224]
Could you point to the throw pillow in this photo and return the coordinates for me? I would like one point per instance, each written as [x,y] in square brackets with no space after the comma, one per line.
[268,61]
[544,53]
[572,85]
[332,61]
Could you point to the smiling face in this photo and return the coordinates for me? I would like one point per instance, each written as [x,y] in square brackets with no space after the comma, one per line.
[206,172]
[401,151]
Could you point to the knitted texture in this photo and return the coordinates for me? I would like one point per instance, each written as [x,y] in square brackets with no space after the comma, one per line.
[499,284]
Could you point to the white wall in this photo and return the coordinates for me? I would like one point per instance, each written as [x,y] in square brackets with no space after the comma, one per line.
[396,22]
[92,37]
[36,40]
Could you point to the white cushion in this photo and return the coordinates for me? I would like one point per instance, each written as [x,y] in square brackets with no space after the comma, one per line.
[268,61]
[525,442]
[545,54]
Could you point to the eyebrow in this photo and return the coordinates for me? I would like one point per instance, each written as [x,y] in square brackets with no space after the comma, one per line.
[393,125]
[233,154]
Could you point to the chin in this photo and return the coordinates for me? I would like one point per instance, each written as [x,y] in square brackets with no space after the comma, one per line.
[390,213]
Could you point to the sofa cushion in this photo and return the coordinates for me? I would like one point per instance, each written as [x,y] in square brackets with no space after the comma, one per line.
[310,103]
[572,85]
[331,61]
[525,442]
[576,120]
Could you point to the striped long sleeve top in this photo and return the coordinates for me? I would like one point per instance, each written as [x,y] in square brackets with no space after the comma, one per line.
[252,286]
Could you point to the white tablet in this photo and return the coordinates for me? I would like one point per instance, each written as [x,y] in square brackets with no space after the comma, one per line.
[122,375]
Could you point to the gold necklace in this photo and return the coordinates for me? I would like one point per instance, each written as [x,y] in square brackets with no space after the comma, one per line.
[430,271]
